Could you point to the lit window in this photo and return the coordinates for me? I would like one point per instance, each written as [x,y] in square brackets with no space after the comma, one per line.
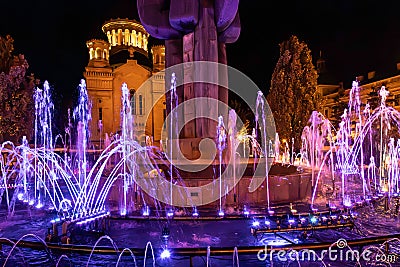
[133,102]
[140,105]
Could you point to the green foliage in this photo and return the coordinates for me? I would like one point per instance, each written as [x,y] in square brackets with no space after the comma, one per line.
[6,48]
[293,94]
[16,94]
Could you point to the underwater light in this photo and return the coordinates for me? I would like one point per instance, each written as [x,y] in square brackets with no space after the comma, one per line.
[170,213]
[123,212]
[195,213]
[146,211]
[20,196]
[246,212]
[348,204]
[165,254]
[256,223]
[314,220]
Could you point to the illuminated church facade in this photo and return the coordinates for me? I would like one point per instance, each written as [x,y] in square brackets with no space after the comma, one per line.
[125,58]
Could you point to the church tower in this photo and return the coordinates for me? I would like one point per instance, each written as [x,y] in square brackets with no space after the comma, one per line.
[99,84]
[158,52]
[123,57]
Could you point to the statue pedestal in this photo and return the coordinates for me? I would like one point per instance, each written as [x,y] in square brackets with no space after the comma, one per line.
[193,149]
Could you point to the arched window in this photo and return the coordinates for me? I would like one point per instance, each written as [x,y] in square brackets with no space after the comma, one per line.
[140,105]
[119,40]
[92,53]
[98,53]
[134,38]
[139,40]
[133,102]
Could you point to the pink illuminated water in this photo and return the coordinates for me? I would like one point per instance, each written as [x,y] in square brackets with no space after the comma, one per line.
[349,166]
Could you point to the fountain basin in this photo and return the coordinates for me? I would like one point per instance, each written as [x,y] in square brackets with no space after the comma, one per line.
[286,185]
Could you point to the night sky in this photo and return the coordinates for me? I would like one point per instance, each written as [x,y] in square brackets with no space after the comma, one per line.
[354,36]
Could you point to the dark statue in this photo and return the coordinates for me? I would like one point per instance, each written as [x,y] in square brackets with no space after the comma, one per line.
[195,30]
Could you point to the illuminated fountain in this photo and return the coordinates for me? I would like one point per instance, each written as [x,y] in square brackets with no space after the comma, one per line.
[352,168]
[261,109]
[358,161]
[221,145]
[67,187]
[42,176]
[64,179]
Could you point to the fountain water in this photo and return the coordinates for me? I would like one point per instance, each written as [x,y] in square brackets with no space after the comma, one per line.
[361,155]
[43,126]
[221,145]
[234,144]
[127,136]
[260,108]
[173,134]
[82,115]
[82,192]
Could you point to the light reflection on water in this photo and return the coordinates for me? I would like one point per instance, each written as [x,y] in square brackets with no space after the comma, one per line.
[183,234]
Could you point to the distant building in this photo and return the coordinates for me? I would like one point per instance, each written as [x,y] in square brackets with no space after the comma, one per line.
[124,58]
[336,97]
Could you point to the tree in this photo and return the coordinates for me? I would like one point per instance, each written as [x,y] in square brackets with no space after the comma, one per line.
[243,111]
[16,94]
[293,94]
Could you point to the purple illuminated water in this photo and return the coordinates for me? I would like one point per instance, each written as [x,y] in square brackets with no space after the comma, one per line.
[221,145]
[354,167]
